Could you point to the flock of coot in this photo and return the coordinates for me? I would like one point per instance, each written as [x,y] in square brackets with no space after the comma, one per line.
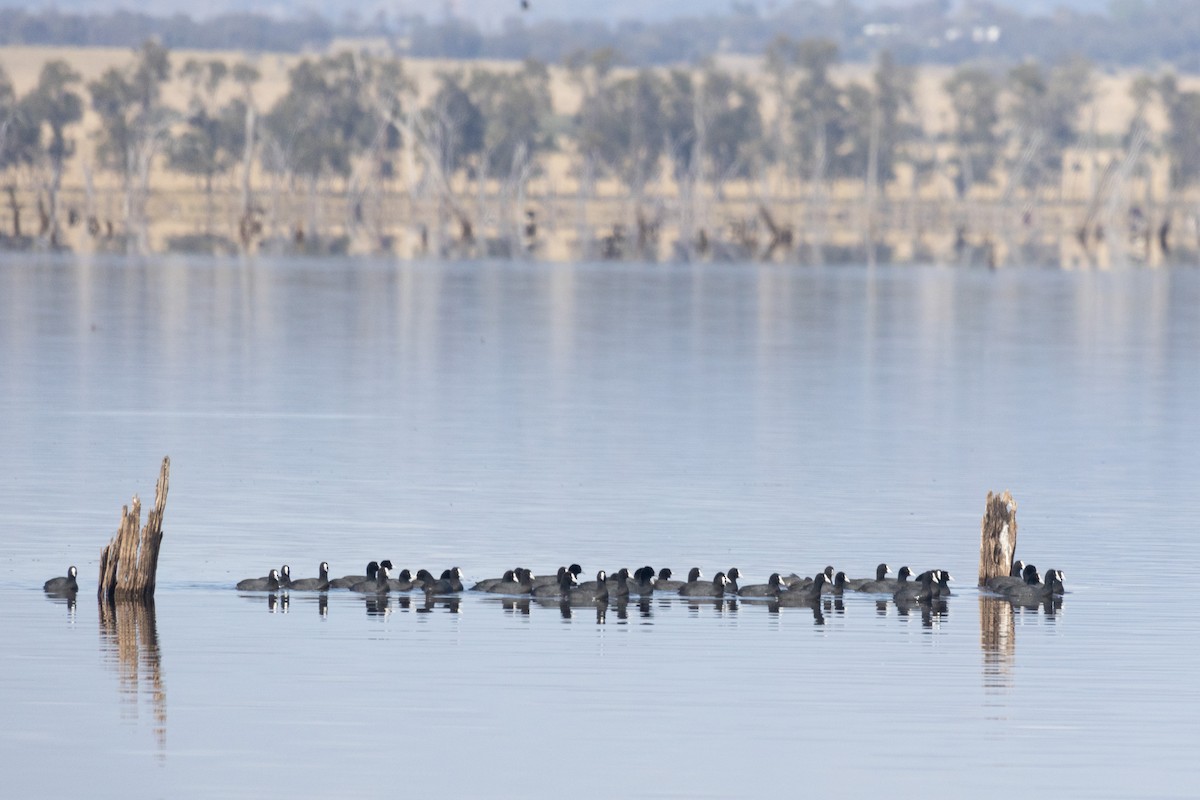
[1024,585]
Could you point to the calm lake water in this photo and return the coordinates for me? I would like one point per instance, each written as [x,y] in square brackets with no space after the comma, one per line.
[490,415]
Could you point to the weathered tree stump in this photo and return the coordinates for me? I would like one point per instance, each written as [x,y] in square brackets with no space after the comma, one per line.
[998,536]
[129,564]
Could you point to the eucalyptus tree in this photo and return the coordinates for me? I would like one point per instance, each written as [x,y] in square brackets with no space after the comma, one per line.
[974,93]
[1182,138]
[1044,114]
[134,125]
[338,111]
[626,131]
[49,108]
[213,136]
[818,116]
[733,129]
[517,107]
[454,126]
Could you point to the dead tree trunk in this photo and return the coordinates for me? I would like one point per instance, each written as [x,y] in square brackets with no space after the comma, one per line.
[998,536]
[129,564]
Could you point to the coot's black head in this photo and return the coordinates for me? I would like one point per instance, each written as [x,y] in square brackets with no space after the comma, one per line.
[601,577]
[1031,575]
[904,574]
[774,580]
[664,574]
[387,562]
[372,568]
[324,570]
[839,580]
[575,570]
[285,571]
[733,574]
[944,577]
[694,574]
[456,574]
[881,571]
[566,580]
[405,576]
[828,573]
[446,575]
[720,580]
[819,580]
[425,575]
[1017,567]
[509,576]
[72,573]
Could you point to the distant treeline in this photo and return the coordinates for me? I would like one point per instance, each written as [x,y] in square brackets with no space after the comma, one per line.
[1133,32]
[669,142]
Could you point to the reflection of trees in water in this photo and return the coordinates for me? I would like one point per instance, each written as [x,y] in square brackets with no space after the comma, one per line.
[129,631]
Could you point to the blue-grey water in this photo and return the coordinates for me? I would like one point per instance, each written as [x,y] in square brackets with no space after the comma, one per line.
[492,415]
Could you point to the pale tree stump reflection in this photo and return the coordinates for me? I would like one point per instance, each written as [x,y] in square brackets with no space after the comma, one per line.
[129,638]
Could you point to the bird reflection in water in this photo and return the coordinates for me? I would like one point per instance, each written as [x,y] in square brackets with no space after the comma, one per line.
[933,611]
[378,605]
[129,632]
[278,603]
[66,599]
[515,605]
[568,611]
[450,603]
[818,614]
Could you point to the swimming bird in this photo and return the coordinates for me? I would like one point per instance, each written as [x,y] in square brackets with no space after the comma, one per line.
[794,581]
[319,584]
[918,591]
[732,577]
[377,586]
[807,594]
[347,581]
[450,581]
[1030,594]
[941,586]
[716,588]
[1027,575]
[520,582]
[553,580]
[583,595]
[486,583]
[285,577]
[772,587]
[566,579]
[887,585]
[855,584]
[643,581]
[403,582]
[668,585]
[64,585]
[269,583]
[838,587]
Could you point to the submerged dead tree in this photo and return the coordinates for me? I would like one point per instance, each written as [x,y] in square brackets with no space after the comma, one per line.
[997,536]
[129,563]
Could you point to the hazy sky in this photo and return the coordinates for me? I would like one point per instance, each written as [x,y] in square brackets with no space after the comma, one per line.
[488,12]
